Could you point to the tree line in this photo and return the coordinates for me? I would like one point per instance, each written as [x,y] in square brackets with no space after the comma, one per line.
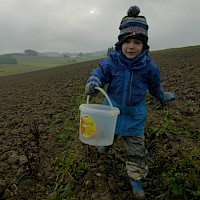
[7,60]
[109,51]
[10,58]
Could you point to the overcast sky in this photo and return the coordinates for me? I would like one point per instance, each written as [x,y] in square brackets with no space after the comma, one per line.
[93,25]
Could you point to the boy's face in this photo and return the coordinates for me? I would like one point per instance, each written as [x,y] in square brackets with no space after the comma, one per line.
[132,47]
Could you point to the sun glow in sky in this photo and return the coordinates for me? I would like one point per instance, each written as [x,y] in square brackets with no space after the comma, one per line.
[64,26]
[94,11]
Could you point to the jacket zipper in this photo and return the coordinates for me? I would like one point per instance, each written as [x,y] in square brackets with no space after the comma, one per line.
[129,98]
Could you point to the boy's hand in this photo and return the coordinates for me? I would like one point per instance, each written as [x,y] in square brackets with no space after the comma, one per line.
[92,82]
[90,88]
[168,96]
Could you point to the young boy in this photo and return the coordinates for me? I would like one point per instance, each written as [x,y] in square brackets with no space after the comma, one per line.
[129,73]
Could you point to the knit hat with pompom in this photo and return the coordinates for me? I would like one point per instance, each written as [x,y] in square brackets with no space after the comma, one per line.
[134,26]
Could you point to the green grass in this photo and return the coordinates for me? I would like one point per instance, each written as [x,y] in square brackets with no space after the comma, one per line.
[71,162]
[181,180]
[180,173]
[35,63]
[41,61]
[12,69]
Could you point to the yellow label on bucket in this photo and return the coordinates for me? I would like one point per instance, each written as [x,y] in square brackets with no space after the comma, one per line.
[87,126]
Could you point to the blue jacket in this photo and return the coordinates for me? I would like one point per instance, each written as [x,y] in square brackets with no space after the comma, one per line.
[128,82]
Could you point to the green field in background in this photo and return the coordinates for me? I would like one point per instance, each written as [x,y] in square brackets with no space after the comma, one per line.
[34,63]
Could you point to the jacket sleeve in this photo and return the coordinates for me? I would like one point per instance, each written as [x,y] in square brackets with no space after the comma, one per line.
[154,85]
[102,73]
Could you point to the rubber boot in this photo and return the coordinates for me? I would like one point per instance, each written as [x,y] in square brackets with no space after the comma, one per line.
[103,149]
[138,191]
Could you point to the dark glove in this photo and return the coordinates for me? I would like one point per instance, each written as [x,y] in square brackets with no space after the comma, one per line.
[91,84]
[168,96]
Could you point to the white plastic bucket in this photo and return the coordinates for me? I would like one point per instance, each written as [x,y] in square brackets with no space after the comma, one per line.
[98,122]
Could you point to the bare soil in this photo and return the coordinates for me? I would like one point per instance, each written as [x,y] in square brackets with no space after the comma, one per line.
[30,102]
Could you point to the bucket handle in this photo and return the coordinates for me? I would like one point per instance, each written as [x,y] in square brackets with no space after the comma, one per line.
[107,97]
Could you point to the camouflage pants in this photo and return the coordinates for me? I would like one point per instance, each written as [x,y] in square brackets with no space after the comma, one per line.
[136,156]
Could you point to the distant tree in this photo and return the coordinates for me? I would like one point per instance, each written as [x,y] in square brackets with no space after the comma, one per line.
[80,54]
[30,52]
[110,50]
[7,60]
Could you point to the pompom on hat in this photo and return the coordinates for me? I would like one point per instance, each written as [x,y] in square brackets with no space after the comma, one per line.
[134,26]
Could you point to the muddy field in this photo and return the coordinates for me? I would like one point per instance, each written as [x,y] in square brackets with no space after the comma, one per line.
[33,107]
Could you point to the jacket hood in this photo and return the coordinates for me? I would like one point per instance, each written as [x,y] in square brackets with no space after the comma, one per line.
[136,63]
